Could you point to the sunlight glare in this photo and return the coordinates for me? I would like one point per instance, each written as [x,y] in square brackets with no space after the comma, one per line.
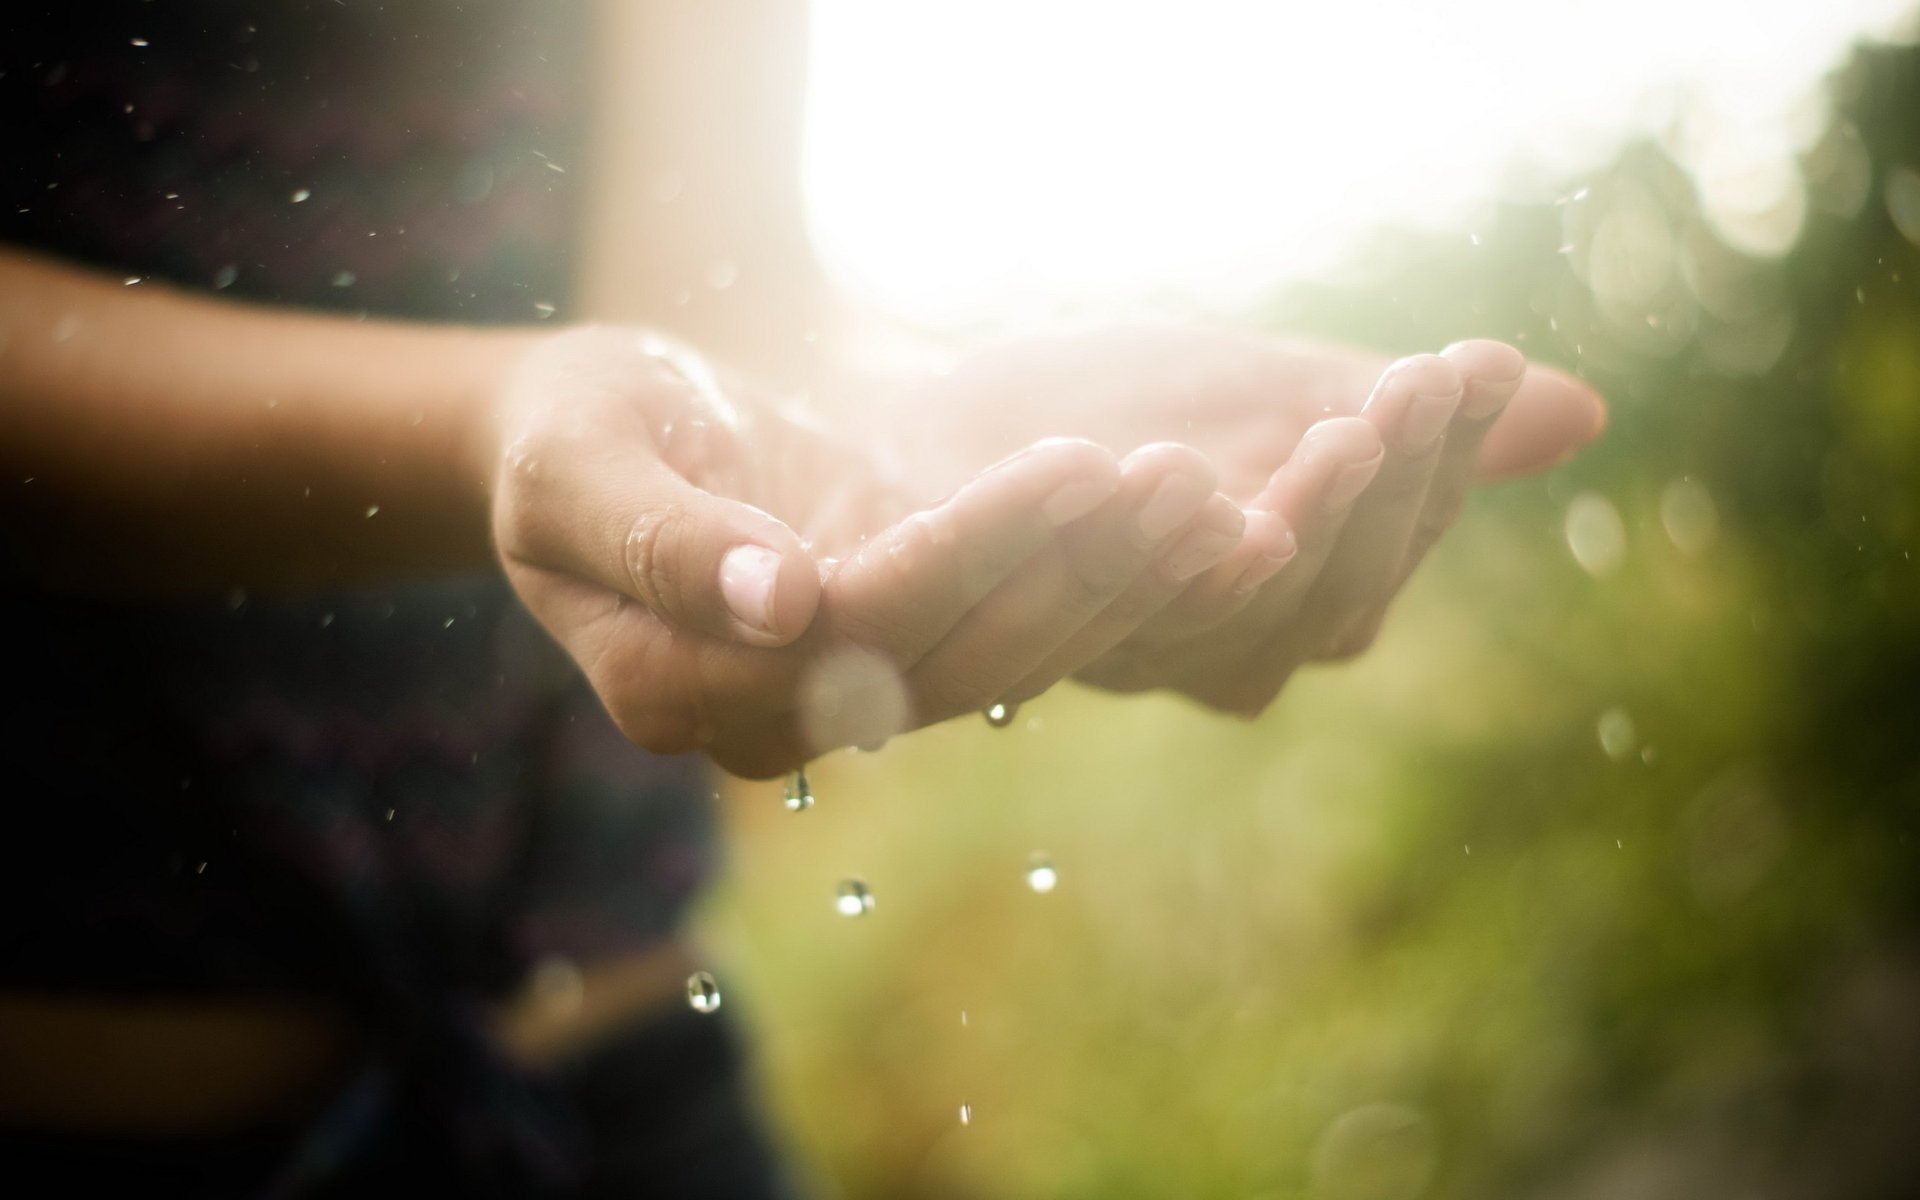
[976,157]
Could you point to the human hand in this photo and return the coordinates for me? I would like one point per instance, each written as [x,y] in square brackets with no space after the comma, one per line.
[732,580]
[1345,488]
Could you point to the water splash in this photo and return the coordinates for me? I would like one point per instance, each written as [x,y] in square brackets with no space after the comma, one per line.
[703,994]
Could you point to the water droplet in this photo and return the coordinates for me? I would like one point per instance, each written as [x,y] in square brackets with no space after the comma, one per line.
[141,42]
[1041,875]
[852,899]
[799,794]
[344,279]
[224,277]
[301,195]
[1616,733]
[1688,514]
[722,275]
[963,1018]
[372,509]
[130,280]
[966,1114]
[703,994]
[543,309]
[1002,714]
[1595,534]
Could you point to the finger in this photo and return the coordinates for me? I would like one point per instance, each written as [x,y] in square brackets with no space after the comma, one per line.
[1411,407]
[1267,543]
[902,594]
[1550,418]
[1163,488]
[1490,374]
[1205,540]
[1312,494]
[910,584]
[622,518]
[1237,663]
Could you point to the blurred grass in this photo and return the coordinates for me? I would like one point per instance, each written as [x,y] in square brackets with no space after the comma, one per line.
[1414,932]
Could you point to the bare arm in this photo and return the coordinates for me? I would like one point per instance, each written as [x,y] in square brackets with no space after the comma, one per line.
[156,443]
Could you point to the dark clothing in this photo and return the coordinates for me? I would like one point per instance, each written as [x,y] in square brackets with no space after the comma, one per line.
[397,798]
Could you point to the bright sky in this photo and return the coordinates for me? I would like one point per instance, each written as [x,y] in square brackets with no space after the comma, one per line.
[968,158]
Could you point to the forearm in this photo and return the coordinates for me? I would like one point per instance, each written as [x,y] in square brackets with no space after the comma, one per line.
[154,443]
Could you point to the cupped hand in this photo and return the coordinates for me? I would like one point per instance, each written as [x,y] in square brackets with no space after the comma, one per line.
[1347,467]
[733,580]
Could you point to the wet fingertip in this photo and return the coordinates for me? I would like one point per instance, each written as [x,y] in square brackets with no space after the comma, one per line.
[795,598]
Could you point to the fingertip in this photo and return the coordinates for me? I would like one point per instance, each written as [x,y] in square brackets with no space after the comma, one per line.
[796,597]
[1484,358]
[772,591]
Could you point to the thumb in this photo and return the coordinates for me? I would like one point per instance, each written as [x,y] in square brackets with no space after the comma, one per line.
[1549,418]
[698,561]
[719,566]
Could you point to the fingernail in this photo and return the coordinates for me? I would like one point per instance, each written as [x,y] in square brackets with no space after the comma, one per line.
[1172,504]
[1426,418]
[1074,500]
[1267,565]
[747,576]
[1196,552]
[1348,484]
[1483,399]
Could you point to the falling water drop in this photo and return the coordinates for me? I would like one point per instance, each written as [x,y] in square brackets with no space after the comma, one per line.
[853,899]
[1596,534]
[1041,876]
[1001,714]
[799,795]
[703,994]
[1616,733]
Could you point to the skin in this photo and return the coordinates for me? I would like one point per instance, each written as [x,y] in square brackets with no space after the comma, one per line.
[1347,468]
[611,473]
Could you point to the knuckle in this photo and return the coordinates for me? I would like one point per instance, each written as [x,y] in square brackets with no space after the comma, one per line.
[647,553]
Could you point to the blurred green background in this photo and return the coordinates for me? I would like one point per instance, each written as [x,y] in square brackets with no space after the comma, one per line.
[1595,878]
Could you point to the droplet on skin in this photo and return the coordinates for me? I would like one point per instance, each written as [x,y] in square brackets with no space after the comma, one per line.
[1001,715]
[1616,733]
[852,899]
[1595,534]
[703,994]
[1041,875]
[799,793]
